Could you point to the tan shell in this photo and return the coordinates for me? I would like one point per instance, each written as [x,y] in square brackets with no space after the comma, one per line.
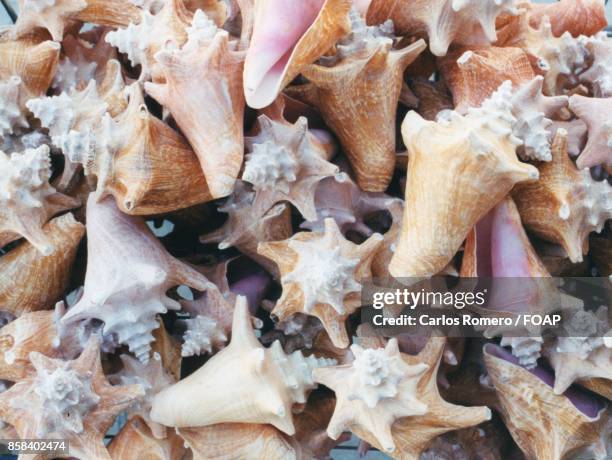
[147,166]
[136,442]
[84,422]
[240,441]
[546,426]
[246,383]
[412,435]
[55,18]
[443,202]
[264,80]
[594,113]
[34,331]
[358,99]
[30,281]
[443,22]
[566,204]
[373,392]
[578,17]
[325,285]
[433,97]
[210,115]
[472,75]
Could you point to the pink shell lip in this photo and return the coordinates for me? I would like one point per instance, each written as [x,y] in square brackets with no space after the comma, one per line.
[279,26]
[588,404]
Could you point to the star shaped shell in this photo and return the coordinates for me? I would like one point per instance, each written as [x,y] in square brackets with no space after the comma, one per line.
[320,274]
[67,399]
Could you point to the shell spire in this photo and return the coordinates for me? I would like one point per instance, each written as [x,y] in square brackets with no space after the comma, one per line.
[246,383]
[67,399]
[326,285]
[127,292]
[202,334]
[285,164]
[27,200]
[373,391]
[481,142]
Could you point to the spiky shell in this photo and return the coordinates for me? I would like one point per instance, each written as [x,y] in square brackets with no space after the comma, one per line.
[480,142]
[473,75]
[27,200]
[325,285]
[373,391]
[285,164]
[210,79]
[142,39]
[56,15]
[546,426]
[128,274]
[358,98]
[31,281]
[147,166]
[306,31]
[34,331]
[443,22]
[594,113]
[578,17]
[246,383]
[202,335]
[412,435]
[565,204]
[67,399]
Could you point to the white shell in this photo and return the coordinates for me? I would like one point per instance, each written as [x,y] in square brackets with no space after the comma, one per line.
[11,114]
[202,335]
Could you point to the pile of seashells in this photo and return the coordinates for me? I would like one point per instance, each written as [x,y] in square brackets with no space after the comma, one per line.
[194,192]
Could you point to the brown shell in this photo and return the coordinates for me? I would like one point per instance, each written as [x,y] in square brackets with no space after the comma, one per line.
[358,99]
[136,442]
[578,17]
[30,281]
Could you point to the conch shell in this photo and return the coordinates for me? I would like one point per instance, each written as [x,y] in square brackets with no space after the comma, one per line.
[285,163]
[546,426]
[413,434]
[578,17]
[203,93]
[56,15]
[320,276]
[373,391]
[358,97]
[464,22]
[480,142]
[128,274]
[302,32]
[246,383]
[71,400]
[27,200]
[35,331]
[472,75]
[136,442]
[147,166]
[566,204]
[27,67]
[240,441]
[594,112]
[32,281]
